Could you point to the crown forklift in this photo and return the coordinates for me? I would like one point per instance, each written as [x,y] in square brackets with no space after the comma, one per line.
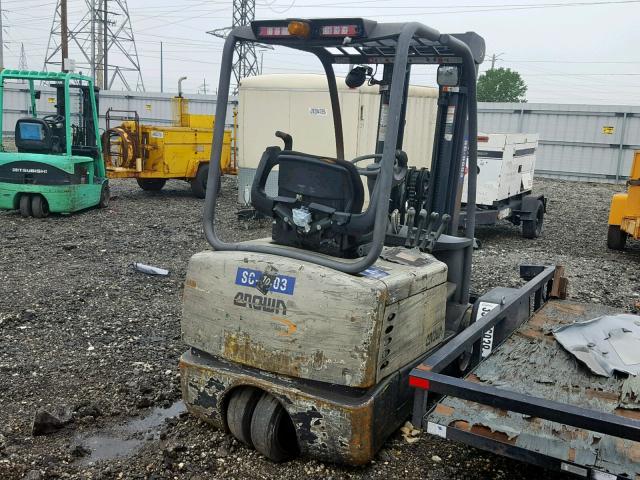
[58,165]
[303,343]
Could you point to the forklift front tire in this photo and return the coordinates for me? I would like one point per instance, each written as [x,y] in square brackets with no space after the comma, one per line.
[39,206]
[616,238]
[534,228]
[272,431]
[240,412]
[105,195]
[25,205]
[151,184]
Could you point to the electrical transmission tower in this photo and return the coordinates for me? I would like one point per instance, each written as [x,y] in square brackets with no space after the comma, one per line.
[22,64]
[103,43]
[245,60]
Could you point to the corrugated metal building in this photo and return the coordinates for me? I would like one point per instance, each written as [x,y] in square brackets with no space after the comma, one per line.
[577,142]
[154,108]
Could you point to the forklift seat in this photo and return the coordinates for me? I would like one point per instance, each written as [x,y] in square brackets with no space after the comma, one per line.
[323,184]
[311,189]
[33,135]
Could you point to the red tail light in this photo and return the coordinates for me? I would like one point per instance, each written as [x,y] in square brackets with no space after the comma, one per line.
[483,139]
[339,31]
[417,382]
[274,32]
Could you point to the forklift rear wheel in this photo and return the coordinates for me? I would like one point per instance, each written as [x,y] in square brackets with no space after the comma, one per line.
[105,195]
[240,411]
[199,182]
[272,431]
[39,206]
[616,238]
[151,184]
[534,228]
[25,205]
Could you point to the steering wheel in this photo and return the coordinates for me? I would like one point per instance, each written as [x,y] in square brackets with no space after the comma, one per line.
[53,119]
[399,166]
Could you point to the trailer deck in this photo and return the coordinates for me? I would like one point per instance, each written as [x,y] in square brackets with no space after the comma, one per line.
[522,400]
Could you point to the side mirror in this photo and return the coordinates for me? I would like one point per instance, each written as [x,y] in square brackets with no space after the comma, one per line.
[357,76]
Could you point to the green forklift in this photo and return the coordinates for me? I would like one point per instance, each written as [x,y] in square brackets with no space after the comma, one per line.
[56,165]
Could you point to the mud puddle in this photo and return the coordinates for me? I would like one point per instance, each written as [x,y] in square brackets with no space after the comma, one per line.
[126,439]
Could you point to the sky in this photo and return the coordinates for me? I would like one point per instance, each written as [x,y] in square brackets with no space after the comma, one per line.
[567,51]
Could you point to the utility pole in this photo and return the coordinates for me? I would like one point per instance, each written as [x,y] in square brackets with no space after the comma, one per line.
[1,40]
[495,57]
[64,38]
[105,48]
[161,71]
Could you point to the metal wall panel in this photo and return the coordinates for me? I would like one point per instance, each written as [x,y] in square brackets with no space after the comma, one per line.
[583,142]
[155,108]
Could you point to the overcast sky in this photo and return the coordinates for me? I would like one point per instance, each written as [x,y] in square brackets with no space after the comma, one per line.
[568,51]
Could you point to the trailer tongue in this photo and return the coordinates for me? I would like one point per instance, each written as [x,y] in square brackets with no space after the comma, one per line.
[530,399]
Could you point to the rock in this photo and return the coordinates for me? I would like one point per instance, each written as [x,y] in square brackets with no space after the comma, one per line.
[436,458]
[45,421]
[88,410]
[28,314]
[33,475]
[144,402]
[80,451]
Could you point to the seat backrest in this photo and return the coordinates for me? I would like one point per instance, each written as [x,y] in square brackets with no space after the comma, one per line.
[329,182]
[33,135]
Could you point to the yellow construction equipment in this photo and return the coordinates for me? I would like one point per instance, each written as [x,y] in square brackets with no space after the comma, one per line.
[152,154]
[624,216]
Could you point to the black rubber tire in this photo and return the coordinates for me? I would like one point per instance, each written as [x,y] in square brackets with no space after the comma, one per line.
[199,182]
[39,206]
[240,412]
[105,195]
[272,431]
[616,238]
[25,205]
[151,184]
[534,228]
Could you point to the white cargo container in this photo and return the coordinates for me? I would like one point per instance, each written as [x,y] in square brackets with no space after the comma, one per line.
[506,164]
[300,106]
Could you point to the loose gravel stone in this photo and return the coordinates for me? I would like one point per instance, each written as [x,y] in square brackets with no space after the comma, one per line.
[66,284]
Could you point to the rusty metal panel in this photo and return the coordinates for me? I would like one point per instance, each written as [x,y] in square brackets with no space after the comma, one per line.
[533,363]
[313,322]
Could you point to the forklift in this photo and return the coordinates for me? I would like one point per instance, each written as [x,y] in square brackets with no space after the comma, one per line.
[57,164]
[323,339]
[302,343]
[624,213]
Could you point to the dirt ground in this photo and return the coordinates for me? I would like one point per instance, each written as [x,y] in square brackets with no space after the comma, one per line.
[84,333]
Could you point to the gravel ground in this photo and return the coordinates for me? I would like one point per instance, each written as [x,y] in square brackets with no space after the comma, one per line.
[85,333]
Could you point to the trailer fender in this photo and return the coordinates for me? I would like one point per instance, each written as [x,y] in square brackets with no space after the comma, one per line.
[618,208]
[529,206]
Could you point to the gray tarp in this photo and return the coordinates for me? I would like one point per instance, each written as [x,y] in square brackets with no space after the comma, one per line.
[605,344]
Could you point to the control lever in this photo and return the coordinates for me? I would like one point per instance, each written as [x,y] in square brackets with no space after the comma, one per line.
[421,222]
[431,238]
[286,138]
[411,215]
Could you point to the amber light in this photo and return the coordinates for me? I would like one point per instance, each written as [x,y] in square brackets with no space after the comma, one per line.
[299,29]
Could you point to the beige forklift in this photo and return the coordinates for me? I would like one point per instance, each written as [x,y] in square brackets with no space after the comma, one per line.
[302,343]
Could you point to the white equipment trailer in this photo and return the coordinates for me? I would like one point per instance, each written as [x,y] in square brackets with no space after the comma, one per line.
[506,164]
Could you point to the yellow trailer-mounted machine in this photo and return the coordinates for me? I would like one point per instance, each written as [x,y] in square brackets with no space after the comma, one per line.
[153,154]
[624,216]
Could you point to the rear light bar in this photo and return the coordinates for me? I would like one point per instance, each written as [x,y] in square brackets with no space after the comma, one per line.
[483,138]
[274,32]
[417,382]
[339,30]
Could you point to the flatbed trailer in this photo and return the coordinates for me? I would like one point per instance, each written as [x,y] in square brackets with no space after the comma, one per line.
[524,396]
